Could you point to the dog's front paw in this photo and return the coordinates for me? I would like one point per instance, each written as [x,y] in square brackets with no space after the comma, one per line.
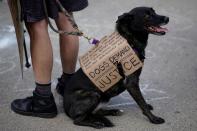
[149,106]
[157,120]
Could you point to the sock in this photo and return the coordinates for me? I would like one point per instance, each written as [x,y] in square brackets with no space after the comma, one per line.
[43,89]
[65,77]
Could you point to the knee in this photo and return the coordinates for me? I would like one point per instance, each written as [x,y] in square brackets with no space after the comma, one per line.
[38,28]
[63,22]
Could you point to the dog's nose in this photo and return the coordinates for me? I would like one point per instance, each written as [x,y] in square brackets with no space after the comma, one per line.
[166,19]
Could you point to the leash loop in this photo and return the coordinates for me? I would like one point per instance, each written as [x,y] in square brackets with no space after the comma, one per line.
[72,21]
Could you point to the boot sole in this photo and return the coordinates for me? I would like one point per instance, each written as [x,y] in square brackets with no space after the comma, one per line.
[41,115]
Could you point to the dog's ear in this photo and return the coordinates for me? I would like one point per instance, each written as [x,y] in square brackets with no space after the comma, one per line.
[123,22]
[151,8]
[125,18]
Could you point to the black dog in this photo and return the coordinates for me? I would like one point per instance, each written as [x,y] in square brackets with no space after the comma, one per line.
[81,96]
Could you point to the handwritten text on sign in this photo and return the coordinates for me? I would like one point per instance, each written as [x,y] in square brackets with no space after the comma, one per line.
[99,62]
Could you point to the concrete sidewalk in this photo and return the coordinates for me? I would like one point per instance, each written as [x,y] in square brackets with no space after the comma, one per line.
[168,80]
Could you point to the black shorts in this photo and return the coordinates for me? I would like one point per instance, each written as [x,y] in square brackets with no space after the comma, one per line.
[33,10]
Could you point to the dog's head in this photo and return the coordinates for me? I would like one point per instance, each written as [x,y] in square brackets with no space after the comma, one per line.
[142,19]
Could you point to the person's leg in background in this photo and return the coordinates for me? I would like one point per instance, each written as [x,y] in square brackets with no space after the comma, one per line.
[69,44]
[42,103]
[69,47]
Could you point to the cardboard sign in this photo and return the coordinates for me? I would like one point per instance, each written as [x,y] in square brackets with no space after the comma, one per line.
[99,63]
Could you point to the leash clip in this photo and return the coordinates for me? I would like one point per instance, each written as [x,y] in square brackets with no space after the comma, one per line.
[91,40]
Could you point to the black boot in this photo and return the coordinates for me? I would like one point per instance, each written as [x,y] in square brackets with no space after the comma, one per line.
[36,105]
[60,87]
[62,83]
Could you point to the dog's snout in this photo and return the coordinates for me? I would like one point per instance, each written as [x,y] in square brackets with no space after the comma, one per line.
[166,19]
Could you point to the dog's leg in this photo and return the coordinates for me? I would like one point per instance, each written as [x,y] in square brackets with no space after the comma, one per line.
[94,121]
[109,112]
[134,90]
[121,72]
[83,104]
[136,94]
[149,106]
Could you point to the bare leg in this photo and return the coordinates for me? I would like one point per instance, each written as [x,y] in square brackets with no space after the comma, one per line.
[41,51]
[69,45]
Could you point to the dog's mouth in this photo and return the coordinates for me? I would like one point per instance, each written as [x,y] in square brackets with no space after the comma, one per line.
[157,30]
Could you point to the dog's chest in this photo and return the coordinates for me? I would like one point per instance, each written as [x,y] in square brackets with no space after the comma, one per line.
[113,91]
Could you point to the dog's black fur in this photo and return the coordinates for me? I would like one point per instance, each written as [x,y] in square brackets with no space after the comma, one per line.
[81,96]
